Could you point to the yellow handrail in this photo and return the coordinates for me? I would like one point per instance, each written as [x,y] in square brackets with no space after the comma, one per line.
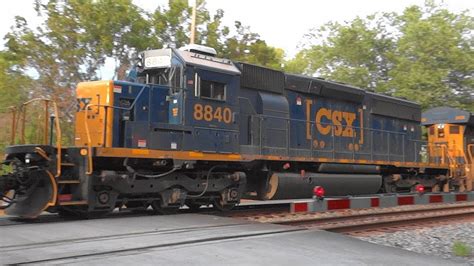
[90,168]
[470,167]
[442,149]
[469,152]
[86,126]
[57,127]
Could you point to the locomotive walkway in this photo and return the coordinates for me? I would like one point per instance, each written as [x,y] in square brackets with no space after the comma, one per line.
[194,239]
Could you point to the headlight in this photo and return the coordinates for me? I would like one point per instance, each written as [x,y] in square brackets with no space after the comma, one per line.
[32,157]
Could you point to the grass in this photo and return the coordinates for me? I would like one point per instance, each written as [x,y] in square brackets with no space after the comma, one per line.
[461,249]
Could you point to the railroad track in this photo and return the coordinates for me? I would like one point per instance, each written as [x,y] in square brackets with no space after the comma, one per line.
[371,223]
[353,222]
[365,221]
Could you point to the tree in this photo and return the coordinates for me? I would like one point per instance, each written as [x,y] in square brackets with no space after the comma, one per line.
[246,46]
[72,44]
[424,54]
[13,84]
[173,24]
[353,53]
[13,91]
[434,57]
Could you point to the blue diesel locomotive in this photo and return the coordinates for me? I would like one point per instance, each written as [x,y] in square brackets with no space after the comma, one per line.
[188,128]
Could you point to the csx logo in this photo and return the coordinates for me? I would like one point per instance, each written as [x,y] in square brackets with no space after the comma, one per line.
[82,103]
[329,121]
[337,118]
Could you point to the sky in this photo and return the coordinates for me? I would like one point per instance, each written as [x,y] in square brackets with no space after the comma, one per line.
[281,23]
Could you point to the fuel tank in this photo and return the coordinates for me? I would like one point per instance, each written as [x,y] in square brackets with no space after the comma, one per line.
[296,186]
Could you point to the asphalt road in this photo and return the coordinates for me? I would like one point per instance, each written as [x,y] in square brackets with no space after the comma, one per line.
[189,239]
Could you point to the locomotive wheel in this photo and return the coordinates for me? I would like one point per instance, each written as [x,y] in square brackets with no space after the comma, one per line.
[159,209]
[219,205]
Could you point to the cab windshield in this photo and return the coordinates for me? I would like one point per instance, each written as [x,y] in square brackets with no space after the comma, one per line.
[162,67]
[171,77]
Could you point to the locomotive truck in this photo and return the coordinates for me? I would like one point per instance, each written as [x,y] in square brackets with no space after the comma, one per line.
[189,128]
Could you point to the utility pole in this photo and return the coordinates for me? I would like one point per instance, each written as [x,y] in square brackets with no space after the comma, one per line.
[193,23]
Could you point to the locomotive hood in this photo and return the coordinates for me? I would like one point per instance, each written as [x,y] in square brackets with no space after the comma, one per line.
[448,115]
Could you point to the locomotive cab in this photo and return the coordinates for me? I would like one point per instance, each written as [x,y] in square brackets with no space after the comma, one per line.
[452,130]
[173,101]
[200,101]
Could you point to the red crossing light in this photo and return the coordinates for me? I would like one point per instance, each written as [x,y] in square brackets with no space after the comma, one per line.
[420,188]
[318,192]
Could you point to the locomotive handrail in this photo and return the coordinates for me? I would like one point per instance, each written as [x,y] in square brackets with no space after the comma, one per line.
[90,167]
[398,155]
[469,152]
[261,117]
[441,148]
[22,110]
[328,124]
[333,151]
[451,161]
[470,166]
[392,156]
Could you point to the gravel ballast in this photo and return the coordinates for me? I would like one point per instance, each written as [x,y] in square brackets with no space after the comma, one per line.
[437,241]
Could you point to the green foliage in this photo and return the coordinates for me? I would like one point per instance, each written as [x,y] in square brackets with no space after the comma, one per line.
[71,45]
[172,27]
[172,24]
[5,169]
[461,249]
[424,54]
[247,46]
[13,83]
[348,53]
[434,60]
[13,91]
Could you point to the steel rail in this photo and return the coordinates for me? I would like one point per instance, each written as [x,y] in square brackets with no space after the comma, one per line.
[358,222]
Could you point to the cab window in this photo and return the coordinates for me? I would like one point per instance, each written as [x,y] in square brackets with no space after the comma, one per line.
[212,90]
[432,130]
[454,130]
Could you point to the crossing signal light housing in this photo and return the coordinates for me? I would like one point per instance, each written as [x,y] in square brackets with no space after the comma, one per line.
[420,188]
[318,192]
